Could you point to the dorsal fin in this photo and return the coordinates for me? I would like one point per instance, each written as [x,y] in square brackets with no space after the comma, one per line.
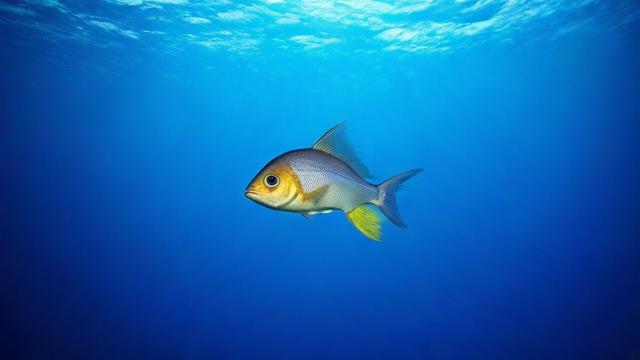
[336,143]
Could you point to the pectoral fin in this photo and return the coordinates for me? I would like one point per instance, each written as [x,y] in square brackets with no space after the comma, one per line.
[306,216]
[316,195]
[365,219]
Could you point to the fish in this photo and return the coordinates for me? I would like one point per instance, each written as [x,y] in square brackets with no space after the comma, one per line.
[329,176]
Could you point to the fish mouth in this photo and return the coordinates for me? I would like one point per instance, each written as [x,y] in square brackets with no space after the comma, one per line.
[254,196]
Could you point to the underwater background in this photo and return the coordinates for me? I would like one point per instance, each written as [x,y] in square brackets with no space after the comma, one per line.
[130,128]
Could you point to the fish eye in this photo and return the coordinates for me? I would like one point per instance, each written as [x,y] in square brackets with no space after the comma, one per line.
[271,180]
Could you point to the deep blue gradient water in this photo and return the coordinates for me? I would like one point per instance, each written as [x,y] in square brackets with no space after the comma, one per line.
[129,130]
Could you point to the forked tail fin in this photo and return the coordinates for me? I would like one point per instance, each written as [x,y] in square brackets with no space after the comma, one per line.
[387,196]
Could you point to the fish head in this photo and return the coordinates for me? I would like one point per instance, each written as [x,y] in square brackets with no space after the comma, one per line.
[275,186]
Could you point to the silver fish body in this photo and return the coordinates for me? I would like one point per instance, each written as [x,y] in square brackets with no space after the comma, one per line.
[316,169]
[328,176]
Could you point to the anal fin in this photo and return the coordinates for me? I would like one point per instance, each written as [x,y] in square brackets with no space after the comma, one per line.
[365,219]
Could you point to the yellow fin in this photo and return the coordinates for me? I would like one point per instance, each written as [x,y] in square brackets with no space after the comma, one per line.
[367,221]
[316,195]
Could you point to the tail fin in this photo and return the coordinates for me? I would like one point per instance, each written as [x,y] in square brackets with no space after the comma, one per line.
[387,196]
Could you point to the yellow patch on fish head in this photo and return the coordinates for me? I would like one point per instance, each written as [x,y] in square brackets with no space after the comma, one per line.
[275,186]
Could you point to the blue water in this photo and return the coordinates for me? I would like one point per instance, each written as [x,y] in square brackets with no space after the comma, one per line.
[130,128]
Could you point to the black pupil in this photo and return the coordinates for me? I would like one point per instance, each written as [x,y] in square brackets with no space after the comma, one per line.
[272,180]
